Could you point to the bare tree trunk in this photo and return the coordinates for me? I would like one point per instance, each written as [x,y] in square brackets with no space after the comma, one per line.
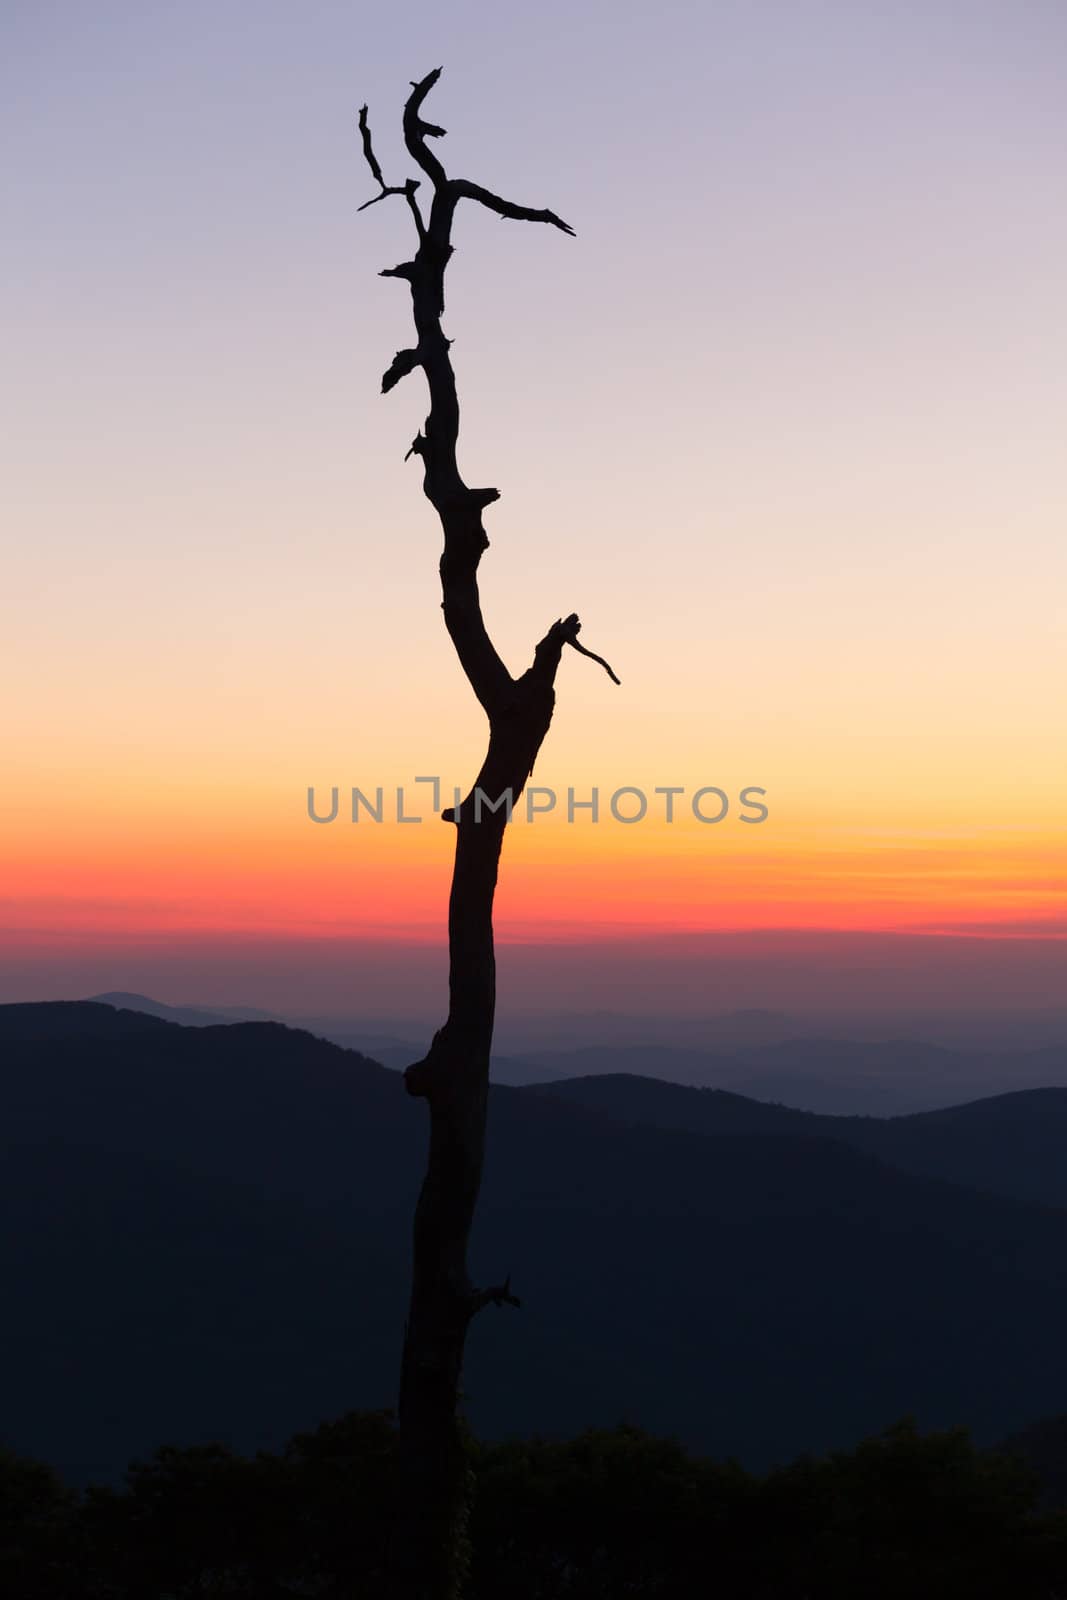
[454,1076]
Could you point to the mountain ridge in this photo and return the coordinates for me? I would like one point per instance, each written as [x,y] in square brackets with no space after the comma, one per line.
[231,1206]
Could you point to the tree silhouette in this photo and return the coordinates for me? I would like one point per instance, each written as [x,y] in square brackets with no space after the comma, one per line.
[454,1076]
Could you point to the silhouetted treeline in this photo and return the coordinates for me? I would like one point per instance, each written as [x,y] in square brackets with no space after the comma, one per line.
[605,1515]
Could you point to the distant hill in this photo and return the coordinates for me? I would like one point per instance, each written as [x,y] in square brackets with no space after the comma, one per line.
[187,1016]
[391,1051]
[745,1052]
[1009,1144]
[836,1077]
[651,1102]
[208,1236]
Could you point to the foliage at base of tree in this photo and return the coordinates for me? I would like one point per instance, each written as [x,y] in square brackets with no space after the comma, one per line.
[599,1517]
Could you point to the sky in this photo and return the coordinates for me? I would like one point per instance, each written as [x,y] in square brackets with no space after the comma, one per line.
[783,423]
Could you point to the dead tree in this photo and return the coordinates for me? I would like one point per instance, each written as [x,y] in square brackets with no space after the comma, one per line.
[454,1076]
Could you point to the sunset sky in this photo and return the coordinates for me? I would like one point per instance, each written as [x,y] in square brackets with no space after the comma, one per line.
[784,423]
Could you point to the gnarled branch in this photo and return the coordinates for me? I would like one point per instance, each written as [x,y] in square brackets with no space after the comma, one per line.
[464,190]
